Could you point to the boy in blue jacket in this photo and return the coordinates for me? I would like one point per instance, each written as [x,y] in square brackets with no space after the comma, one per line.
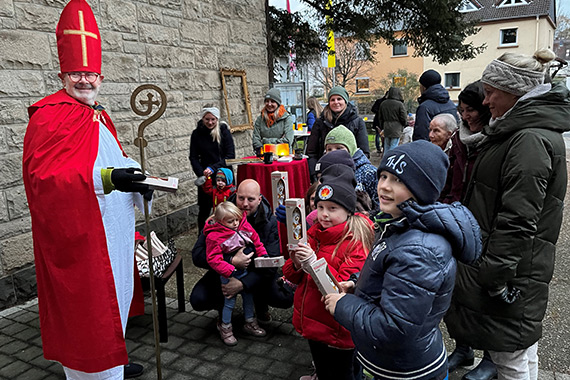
[394,307]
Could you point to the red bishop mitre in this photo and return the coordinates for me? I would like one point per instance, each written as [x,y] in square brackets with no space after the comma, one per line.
[78,39]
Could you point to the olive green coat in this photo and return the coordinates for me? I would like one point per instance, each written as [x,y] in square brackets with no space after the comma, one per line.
[516,193]
[280,132]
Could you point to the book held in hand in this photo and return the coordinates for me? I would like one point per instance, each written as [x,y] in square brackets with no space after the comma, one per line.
[169,184]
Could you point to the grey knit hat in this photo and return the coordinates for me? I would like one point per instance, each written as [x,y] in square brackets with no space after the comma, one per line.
[340,91]
[274,94]
[511,79]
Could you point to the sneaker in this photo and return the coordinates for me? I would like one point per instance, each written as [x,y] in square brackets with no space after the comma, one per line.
[227,335]
[309,377]
[252,328]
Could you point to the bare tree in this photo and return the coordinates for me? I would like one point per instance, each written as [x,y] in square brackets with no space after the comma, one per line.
[351,60]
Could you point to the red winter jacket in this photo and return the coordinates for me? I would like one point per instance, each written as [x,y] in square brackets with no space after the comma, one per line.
[310,317]
[221,240]
[218,196]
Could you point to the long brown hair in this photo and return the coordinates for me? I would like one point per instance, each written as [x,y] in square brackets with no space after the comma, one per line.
[314,105]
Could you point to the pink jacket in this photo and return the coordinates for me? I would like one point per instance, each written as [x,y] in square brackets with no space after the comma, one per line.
[222,240]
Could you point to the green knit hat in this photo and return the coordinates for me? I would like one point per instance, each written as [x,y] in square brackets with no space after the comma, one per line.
[340,91]
[342,135]
[274,94]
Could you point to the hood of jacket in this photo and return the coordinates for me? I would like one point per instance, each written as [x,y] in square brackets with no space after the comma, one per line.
[395,93]
[454,222]
[436,93]
[550,110]
[229,175]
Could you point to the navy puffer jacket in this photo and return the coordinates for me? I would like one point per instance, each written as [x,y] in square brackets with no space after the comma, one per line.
[405,288]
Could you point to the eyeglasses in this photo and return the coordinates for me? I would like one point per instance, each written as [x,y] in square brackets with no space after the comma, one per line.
[89,77]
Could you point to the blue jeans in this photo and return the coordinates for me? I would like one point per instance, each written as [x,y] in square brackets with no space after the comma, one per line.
[390,143]
[230,303]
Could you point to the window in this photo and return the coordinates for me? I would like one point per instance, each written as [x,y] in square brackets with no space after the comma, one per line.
[362,85]
[467,6]
[452,80]
[510,3]
[399,48]
[508,37]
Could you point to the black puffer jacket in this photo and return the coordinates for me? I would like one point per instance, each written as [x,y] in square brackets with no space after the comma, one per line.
[205,152]
[434,100]
[350,119]
[405,288]
[516,194]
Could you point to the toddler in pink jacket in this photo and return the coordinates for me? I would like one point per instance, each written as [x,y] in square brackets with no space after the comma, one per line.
[227,231]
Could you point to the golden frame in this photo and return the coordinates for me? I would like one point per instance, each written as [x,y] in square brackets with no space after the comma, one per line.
[237,73]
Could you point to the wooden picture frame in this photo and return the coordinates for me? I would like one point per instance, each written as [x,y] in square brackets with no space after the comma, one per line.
[237,73]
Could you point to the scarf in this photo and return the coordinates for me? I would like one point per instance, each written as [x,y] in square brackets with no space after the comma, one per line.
[271,118]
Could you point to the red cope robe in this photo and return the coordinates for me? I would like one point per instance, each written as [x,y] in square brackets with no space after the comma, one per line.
[79,314]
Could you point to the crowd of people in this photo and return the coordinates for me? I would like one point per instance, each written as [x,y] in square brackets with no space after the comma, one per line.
[458,225]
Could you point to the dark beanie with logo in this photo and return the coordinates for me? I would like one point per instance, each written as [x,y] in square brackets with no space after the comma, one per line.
[421,166]
[341,157]
[337,185]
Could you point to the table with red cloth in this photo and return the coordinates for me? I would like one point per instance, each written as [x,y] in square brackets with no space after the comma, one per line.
[298,176]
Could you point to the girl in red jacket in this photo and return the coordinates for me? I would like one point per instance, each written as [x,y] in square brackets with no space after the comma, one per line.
[343,239]
[228,231]
[224,186]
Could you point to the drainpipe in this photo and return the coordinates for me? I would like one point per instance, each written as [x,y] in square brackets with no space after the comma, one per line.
[536,37]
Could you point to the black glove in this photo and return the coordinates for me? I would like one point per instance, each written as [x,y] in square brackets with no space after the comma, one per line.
[124,180]
[281,214]
[509,294]
[147,195]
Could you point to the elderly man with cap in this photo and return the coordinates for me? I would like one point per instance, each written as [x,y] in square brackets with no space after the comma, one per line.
[337,112]
[81,188]
[274,125]
[434,100]
[211,144]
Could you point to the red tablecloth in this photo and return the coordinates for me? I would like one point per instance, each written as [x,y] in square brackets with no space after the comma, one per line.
[298,175]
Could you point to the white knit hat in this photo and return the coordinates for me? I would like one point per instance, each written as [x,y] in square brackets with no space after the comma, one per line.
[213,110]
[511,79]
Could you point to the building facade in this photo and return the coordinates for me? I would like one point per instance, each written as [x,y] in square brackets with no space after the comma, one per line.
[178,45]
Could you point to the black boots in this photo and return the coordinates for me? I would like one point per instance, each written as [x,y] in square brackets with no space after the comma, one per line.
[462,356]
[486,370]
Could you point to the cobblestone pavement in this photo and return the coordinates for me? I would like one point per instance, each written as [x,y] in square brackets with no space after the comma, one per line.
[194,350]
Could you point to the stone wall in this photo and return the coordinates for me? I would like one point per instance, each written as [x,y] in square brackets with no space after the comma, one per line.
[179,45]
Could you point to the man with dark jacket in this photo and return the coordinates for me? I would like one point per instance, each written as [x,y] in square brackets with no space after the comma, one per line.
[209,294]
[392,116]
[434,100]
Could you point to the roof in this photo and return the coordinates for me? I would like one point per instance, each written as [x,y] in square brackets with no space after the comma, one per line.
[490,11]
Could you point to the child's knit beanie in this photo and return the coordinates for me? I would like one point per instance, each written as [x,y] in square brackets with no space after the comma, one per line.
[342,135]
[226,174]
[341,157]
[337,185]
[421,166]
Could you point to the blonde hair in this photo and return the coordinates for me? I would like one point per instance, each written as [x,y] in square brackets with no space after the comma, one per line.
[537,62]
[215,132]
[359,230]
[314,104]
[225,209]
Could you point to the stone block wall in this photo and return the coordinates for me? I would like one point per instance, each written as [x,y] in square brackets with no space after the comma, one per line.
[178,45]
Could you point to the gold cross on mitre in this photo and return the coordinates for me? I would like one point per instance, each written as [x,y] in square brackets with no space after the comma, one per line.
[84,34]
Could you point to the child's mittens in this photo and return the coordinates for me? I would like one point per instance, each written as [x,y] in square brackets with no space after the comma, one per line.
[281,214]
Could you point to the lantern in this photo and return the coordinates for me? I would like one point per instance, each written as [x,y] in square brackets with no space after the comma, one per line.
[283,149]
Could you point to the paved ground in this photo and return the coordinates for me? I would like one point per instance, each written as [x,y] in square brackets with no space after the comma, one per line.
[194,350]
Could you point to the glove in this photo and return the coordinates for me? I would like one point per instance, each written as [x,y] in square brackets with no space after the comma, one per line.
[148,195]
[123,179]
[508,294]
[281,214]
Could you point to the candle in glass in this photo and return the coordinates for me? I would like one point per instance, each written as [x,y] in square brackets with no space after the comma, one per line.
[283,149]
